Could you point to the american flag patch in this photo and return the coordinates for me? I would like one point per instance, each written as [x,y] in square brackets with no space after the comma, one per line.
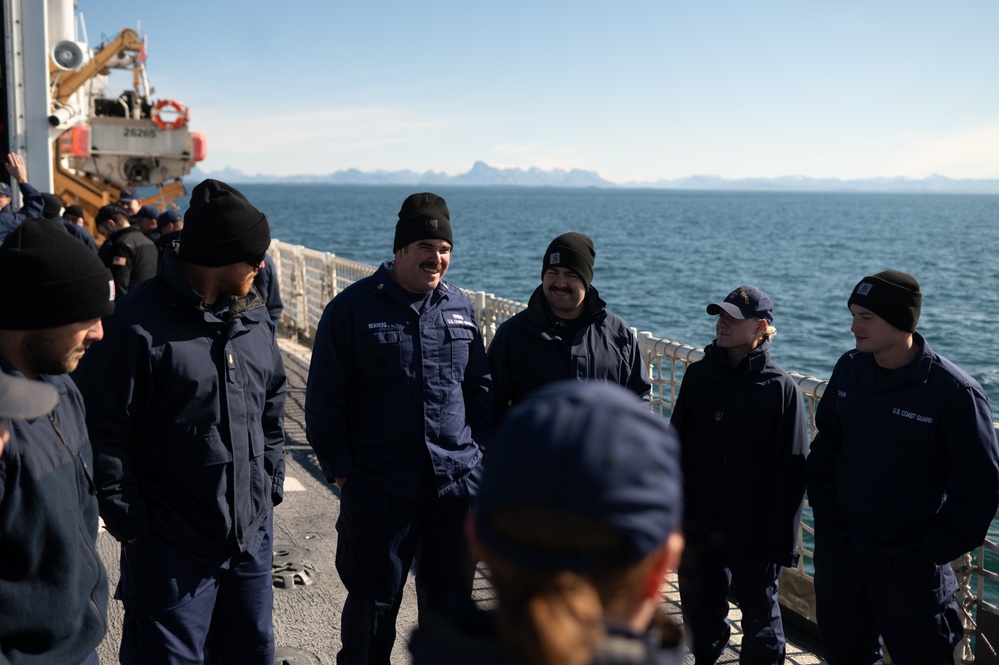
[119,260]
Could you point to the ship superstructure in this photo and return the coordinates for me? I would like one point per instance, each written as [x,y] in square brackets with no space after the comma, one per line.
[80,141]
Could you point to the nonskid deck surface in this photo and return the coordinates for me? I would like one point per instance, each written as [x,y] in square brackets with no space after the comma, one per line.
[307,609]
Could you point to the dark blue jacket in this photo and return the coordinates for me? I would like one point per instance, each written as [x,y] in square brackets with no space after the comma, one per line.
[53,588]
[906,465]
[470,639]
[186,414]
[392,389]
[33,206]
[131,257]
[81,233]
[528,352]
[78,232]
[743,439]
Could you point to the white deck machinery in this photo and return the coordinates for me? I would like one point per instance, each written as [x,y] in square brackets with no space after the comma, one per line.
[78,141]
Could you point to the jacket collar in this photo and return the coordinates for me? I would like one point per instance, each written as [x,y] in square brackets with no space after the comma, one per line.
[180,290]
[539,313]
[753,363]
[123,232]
[917,371]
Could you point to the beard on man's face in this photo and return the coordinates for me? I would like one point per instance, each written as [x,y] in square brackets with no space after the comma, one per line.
[45,352]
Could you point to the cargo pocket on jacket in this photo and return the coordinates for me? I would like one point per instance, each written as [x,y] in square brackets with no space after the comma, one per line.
[459,340]
[379,352]
[193,450]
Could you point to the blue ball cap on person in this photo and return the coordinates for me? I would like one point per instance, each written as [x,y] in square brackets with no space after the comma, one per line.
[148,211]
[746,302]
[589,450]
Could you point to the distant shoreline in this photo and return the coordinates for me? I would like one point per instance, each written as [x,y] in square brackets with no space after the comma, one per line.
[483,175]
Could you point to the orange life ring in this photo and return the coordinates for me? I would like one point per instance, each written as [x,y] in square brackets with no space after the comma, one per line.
[183,114]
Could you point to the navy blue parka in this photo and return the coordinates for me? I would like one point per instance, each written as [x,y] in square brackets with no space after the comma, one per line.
[53,587]
[33,206]
[905,465]
[186,415]
[392,389]
[131,257]
[528,352]
[743,435]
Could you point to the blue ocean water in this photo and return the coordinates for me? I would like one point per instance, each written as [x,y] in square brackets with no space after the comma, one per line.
[663,255]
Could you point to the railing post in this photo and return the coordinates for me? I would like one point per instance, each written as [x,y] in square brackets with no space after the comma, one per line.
[966,599]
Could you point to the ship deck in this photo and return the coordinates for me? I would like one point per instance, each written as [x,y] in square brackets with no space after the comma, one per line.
[307,610]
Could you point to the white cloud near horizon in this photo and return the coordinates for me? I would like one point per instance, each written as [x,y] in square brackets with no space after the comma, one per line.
[969,154]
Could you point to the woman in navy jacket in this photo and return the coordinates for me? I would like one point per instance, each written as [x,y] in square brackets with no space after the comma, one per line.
[742,425]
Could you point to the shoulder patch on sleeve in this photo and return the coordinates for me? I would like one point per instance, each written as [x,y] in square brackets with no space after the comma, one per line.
[119,260]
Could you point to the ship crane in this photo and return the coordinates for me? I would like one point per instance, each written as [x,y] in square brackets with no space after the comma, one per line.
[86,145]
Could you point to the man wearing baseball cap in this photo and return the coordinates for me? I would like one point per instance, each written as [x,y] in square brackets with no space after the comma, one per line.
[578,521]
[170,224]
[742,424]
[186,410]
[396,404]
[127,252]
[129,201]
[565,332]
[33,202]
[902,478]
[147,221]
[53,588]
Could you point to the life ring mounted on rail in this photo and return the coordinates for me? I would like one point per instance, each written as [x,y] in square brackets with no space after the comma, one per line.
[174,108]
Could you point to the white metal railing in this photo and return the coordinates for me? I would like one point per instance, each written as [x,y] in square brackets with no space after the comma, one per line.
[309,279]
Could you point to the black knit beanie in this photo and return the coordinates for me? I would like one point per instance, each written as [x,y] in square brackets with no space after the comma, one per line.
[572,251]
[422,216]
[893,295]
[50,279]
[221,227]
[53,206]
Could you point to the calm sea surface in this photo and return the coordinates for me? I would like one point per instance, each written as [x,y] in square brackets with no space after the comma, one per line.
[662,256]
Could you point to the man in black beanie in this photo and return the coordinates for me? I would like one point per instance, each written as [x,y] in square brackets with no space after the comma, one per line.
[566,332]
[127,252]
[53,588]
[402,337]
[902,478]
[186,406]
[51,212]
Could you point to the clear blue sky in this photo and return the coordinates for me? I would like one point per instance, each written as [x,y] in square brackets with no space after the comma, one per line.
[636,91]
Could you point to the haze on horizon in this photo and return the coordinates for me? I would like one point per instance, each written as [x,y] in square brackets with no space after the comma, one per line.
[640,91]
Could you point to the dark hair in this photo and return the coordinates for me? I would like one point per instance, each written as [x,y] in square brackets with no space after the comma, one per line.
[556,617]
[114,212]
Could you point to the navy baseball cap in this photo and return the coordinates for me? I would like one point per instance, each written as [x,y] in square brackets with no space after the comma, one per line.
[4,189]
[127,195]
[168,217]
[24,398]
[746,302]
[591,452]
[148,211]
